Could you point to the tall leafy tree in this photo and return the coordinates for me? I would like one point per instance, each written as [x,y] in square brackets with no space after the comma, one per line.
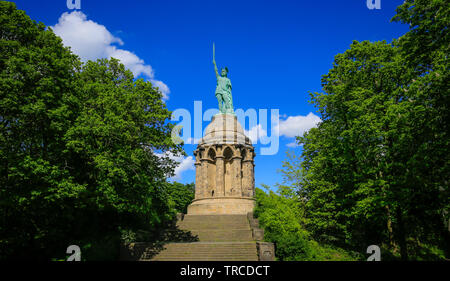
[376,167]
[37,99]
[425,150]
[346,157]
[77,147]
[426,48]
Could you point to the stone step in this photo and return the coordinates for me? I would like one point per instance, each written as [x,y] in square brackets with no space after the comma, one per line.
[207,245]
[204,251]
[220,238]
[205,259]
[197,225]
[214,222]
[218,254]
[222,234]
[214,217]
[208,250]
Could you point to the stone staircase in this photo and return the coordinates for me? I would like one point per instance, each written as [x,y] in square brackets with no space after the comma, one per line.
[221,238]
[208,251]
[212,238]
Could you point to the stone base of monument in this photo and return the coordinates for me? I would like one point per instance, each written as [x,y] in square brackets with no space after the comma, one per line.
[219,224]
[206,238]
[222,206]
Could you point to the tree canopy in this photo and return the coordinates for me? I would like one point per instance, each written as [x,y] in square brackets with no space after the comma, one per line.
[375,170]
[181,195]
[77,146]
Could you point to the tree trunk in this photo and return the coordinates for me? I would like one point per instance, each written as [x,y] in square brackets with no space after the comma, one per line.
[392,243]
[401,235]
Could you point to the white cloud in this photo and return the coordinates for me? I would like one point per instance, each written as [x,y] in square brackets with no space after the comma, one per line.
[291,127]
[184,164]
[130,60]
[256,133]
[163,88]
[292,144]
[297,125]
[86,38]
[92,41]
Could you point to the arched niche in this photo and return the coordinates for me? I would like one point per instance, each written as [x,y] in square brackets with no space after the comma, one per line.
[211,154]
[244,153]
[228,170]
[228,153]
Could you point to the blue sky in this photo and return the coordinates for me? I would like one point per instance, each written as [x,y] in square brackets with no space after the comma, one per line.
[276,51]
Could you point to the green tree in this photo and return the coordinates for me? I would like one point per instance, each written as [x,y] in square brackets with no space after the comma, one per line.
[425,49]
[121,125]
[181,195]
[77,147]
[281,215]
[36,90]
[425,46]
[376,167]
[346,157]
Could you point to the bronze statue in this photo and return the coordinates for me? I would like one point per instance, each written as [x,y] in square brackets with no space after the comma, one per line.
[223,89]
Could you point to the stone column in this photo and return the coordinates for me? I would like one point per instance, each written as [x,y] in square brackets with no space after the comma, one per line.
[236,175]
[198,176]
[204,177]
[252,178]
[246,177]
[248,174]
[220,172]
[220,180]
[252,175]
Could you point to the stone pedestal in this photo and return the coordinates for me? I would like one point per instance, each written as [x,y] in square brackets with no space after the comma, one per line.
[221,206]
[224,164]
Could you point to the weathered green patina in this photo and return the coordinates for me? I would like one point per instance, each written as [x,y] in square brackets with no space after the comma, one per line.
[223,89]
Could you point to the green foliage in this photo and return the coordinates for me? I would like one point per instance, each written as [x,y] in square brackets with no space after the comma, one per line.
[281,215]
[345,157]
[104,248]
[181,195]
[428,37]
[77,148]
[376,168]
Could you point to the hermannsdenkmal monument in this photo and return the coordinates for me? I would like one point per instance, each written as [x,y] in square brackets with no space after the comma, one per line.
[224,180]
[220,217]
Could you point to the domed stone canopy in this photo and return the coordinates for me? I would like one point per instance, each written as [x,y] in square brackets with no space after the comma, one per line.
[224,180]
[224,129]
